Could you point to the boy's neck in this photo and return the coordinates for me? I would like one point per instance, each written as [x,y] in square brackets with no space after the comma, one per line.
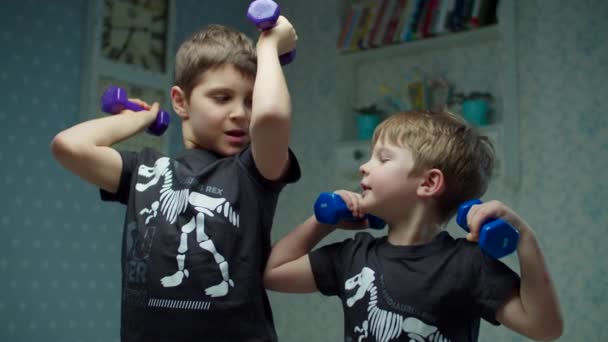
[419,227]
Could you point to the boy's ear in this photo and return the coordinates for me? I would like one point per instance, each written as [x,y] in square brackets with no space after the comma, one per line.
[432,185]
[179,102]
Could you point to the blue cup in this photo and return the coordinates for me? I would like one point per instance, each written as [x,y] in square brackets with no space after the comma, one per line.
[366,124]
[476,111]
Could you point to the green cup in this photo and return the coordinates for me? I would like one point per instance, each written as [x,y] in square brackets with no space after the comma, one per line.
[366,124]
[476,111]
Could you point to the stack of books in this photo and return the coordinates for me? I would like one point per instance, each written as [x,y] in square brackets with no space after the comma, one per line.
[375,23]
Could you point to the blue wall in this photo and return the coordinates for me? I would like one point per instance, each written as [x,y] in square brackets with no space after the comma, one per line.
[58,252]
[60,246]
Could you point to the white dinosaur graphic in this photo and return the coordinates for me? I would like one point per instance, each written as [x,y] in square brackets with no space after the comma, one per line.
[174,202]
[382,324]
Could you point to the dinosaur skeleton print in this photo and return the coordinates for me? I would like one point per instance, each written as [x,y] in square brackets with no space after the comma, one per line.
[437,291]
[384,325]
[184,229]
[195,241]
[173,203]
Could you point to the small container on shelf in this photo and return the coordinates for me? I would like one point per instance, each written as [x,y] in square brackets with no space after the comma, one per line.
[474,107]
[475,111]
[367,119]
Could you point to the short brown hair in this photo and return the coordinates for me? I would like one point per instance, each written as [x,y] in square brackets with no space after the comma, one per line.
[444,141]
[211,47]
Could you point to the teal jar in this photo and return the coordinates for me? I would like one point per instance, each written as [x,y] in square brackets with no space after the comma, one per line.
[366,124]
[475,111]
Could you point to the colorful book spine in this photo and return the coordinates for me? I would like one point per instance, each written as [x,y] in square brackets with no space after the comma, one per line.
[413,27]
[392,26]
[346,27]
[403,18]
[362,25]
[457,18]
[377,22]
[429,17]
[356,13]
[474,22]
[442,17]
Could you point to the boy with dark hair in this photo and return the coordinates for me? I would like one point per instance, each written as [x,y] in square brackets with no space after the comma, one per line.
[197,226]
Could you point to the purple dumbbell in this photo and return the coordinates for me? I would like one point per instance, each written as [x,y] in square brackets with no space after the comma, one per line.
[114,100]
[264,14]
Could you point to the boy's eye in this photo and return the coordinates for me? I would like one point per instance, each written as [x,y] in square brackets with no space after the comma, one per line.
[221,98]
[382,158]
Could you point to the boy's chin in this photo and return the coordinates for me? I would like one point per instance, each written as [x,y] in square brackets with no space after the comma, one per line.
[230,150]
[367,201]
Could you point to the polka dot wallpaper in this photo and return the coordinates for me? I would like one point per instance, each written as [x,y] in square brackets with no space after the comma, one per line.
[60,245]
[60,248]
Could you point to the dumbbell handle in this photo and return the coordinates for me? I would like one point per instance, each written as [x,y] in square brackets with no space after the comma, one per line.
[264,14]
[131,106]
[330,208]
[114,100]
[496,236]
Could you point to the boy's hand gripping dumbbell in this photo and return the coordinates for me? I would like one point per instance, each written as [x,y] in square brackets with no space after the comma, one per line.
[496,237]
[264,14]
[330,208]
[114,100]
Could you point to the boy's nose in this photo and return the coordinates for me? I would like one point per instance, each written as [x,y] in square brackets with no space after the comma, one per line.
[363,169]
[239,112]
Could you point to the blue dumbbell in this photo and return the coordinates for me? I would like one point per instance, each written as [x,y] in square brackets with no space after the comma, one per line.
[330,209]
[496,237]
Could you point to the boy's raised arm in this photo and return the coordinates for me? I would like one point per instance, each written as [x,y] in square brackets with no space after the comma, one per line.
[288,268]
[271,103]
[534,309]
[85,148]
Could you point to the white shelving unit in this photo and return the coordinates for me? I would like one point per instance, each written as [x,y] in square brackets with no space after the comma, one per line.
[504,133]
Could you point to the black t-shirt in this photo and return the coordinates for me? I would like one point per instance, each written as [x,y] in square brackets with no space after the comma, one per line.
[432,292]
[195,243]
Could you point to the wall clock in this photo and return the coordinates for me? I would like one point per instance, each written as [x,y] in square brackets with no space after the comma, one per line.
[128,45]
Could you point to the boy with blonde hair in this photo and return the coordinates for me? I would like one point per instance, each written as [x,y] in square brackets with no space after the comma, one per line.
[418,283]
[197,226]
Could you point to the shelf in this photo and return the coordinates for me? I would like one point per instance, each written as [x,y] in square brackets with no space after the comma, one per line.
[482,34]
[357,68]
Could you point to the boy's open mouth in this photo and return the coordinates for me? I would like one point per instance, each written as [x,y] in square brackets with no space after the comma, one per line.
[236,133]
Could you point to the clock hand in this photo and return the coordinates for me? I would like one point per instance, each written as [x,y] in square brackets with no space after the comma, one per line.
[126,43]
[135,28]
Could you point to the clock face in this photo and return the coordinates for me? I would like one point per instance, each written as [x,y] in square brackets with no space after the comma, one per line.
[135,33]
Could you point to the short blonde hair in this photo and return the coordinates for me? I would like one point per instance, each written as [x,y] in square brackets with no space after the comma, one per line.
[212,47]
[444,141]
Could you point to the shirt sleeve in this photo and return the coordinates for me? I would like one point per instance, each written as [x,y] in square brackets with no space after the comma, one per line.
[326,266]
[292,174]
[130,162]
[331,263]
[493,285]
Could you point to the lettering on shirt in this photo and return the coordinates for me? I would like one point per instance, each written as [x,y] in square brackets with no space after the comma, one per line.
[404,308]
